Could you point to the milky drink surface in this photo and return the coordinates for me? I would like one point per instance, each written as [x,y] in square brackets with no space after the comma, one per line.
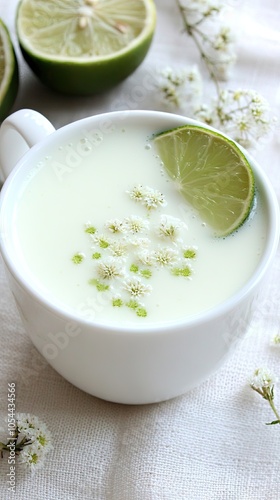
[101,229]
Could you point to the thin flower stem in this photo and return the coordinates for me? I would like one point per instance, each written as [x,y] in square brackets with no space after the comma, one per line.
[259,391]
[192,30]
[267,393]
[271,402]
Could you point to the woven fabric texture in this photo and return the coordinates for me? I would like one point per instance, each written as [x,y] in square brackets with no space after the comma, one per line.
[209,444]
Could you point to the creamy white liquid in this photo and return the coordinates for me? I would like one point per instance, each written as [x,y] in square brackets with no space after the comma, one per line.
[84,182]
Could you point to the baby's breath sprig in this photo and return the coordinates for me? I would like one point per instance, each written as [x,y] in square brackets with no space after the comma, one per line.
[263,382]
[179,88]
[214,40]
[243,114]
[149,197]
[31,439]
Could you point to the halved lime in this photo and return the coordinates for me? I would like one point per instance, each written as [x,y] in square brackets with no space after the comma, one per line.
[8,72]
[211,172]
[84,47]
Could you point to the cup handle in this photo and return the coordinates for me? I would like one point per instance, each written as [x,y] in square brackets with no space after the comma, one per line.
[18,133]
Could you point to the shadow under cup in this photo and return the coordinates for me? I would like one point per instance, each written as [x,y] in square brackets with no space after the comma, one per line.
[124,364]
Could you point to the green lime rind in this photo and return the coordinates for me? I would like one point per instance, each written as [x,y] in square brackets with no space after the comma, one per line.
[211,172]
[86,79]
[9,74]
[82,74]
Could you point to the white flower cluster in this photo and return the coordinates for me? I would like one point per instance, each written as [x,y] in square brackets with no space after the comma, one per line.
[148,197]
[198,8]
[31,428]
[262,379]
[179,88]
[33,442]
[204,21]
[242,114]
[263,382]
[126,252]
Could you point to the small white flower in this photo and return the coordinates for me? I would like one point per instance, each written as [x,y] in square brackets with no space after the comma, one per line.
[145,257]
[32,457]
[137,193]
[109,268]
[102,241]
[223,63]
[153,199]
[263,377]
[223,39]
[179,87]
[170,227]
[204,113]
[118,248]
[149,197]
[28,424]
[114,226]
[165,256]
[44,438]
[197,8]
[135,224]
[136,288]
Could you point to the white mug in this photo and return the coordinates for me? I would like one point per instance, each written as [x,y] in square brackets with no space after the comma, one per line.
[120,364]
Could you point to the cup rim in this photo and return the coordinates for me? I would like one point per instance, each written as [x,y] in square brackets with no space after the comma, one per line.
[199,318]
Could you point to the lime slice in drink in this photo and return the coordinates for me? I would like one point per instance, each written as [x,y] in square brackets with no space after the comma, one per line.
[8,72]
[82,47]
[212,174]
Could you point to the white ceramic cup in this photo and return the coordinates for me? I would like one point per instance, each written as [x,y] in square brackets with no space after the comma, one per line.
[132,366]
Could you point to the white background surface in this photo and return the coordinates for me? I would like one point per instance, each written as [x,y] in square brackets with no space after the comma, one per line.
[210,444]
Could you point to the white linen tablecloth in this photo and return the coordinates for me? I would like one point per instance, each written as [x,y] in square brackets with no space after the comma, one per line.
[209,444]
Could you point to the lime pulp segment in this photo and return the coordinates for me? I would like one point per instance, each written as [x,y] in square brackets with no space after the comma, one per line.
[71,29]
[211,172]
[85,46]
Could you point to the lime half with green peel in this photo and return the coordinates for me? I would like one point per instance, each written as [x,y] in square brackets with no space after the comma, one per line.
[8,72]
[83,47]
[211,172]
